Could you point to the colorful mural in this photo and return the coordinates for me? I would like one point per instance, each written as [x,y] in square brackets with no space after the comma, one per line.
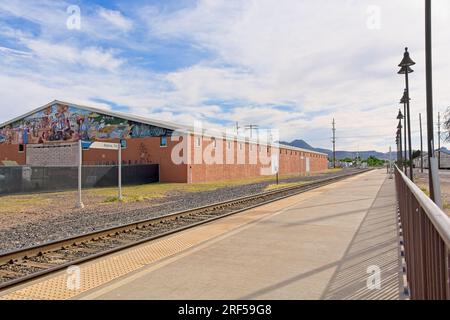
[67,123]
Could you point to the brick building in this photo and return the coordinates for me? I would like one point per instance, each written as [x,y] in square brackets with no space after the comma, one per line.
[50,135]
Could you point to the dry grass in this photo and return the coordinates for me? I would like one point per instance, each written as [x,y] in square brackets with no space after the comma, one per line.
[99,196]
[283,185]
[18,202]
[159,190]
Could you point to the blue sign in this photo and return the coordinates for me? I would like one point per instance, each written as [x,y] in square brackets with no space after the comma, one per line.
[85,144]
[123,143]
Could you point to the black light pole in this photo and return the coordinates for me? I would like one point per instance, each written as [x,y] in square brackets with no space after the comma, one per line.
[421,143]
[399,131]
[398,149]
[429,78]
[403,101]
[405,69]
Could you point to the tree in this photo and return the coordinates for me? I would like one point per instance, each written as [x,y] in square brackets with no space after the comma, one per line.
[416,154]
[374,162]
[447,125]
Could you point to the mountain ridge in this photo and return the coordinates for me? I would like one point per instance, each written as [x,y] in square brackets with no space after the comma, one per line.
[340,154]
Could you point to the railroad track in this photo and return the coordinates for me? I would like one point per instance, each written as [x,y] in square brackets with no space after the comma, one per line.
[28,263]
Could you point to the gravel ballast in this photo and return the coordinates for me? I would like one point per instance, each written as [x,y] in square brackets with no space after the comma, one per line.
[75,222]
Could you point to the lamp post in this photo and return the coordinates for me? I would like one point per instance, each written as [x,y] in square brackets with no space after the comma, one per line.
[432,175]
[399,134]
[398,149]
[403,101]
[405,69]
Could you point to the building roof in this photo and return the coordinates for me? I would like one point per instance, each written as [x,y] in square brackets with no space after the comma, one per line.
[158,123]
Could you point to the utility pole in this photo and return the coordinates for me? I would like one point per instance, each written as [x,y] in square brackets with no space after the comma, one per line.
[237,128]
[421,143]
[439,140]
[251,127]
[334,144]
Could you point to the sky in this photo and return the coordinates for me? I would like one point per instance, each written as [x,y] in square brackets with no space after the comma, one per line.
[291,65]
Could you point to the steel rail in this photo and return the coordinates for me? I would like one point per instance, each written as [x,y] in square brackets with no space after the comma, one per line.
[25,253]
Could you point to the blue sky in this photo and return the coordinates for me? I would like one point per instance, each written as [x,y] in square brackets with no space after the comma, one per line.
[287,64]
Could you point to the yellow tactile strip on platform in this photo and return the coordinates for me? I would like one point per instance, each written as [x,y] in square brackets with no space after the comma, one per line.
[100,271]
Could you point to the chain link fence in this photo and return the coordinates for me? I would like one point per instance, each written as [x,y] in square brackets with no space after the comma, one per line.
[25,179]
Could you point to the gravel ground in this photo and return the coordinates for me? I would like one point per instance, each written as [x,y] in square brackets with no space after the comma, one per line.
[49,227]
[421,179]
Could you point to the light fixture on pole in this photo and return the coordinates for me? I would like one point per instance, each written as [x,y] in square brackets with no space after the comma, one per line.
[405,69]
[398,149]
[399,132]
[403,101]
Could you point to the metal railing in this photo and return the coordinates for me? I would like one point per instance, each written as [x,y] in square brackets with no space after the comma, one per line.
[425,229]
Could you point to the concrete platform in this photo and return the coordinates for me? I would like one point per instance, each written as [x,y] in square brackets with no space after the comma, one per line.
[316,248]
[322,244]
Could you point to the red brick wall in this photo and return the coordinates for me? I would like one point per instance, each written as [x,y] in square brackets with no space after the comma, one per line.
[141,151]
[290,162]
[11,152]
[148,150]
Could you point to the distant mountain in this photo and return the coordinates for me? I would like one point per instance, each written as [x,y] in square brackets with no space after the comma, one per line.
[299,143]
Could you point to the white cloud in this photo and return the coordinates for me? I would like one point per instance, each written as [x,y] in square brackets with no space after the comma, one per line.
[116,18]
[90,56]
[316,57]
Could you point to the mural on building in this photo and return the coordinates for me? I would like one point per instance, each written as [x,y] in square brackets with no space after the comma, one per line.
[67,123]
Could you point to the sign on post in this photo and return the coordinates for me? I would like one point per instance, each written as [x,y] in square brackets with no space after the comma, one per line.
[104,145]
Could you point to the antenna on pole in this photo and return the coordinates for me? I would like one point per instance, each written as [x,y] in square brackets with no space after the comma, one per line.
[251,127]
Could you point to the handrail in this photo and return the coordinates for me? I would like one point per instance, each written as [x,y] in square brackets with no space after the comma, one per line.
[425,237]
[439,218]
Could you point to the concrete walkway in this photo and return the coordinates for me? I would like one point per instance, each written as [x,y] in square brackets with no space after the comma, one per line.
[318,245]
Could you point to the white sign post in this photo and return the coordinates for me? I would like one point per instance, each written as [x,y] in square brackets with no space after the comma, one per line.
[275,166]
[120,171]
[104,146]
[80,165]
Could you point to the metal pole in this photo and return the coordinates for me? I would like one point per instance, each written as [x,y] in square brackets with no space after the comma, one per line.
[401,147]
[80,165]
[439,140]
[405,169]
[120,171]
[396,143]
[421,143]
[411,176]
[334,145]
[429,86]
[390,163]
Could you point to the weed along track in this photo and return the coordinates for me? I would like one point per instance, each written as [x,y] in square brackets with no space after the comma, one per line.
[29,263]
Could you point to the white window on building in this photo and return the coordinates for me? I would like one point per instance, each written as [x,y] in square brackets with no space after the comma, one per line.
[198,141]
[240,146]
[229,145]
